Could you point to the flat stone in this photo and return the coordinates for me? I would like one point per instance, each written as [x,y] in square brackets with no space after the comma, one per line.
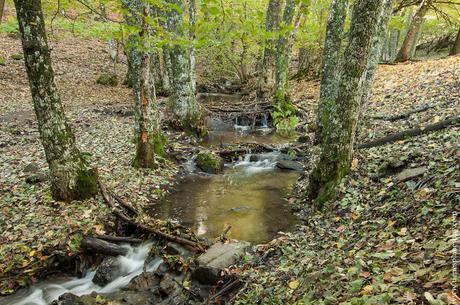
[411,173]
[31,168]
[218,257]
[289,165]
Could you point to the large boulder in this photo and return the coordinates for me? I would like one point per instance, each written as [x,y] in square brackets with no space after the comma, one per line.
[218,257]
[106,272]
[209,162]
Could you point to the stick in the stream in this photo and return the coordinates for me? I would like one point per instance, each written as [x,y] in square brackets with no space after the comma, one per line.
[127,219]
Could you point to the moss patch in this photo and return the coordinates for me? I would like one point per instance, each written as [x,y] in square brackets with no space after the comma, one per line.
[17,56]
[107,80]
[2,61]
[209,163]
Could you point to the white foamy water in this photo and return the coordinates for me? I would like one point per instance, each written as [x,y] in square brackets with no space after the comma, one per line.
[265,162]
[128,267]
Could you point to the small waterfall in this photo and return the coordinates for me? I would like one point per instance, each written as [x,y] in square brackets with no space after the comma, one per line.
[264,121]
[255,163]
[128,267]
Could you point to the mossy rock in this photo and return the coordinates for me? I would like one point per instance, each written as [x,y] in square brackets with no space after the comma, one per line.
[107,80]
[209,163]
[17,56]
[2,61]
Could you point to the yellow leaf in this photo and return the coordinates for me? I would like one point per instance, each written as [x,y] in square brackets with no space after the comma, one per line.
[294,284]
[32,253]
[367,290]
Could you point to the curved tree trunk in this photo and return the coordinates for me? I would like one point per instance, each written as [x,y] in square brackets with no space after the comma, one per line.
[456,47]
[331,63]
[339,129]
[2,7]
[282,56]
[266,81]
[184,105]
[405,51]
[71,177]
[150,140]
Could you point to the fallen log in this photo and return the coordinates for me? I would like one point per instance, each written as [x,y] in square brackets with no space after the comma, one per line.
[404,115]
[144,227]
[246,149]
[410,133]
[100,246]
[120,239]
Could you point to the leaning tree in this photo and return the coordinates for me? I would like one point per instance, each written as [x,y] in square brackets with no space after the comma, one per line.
[71,176]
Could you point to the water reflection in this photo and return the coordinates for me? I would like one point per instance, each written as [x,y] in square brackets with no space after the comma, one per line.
[249,197]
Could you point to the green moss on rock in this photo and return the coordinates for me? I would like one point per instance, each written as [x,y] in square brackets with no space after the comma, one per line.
[107,80]
[209,163]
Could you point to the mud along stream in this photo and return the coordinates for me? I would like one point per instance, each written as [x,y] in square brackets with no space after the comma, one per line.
[249,196]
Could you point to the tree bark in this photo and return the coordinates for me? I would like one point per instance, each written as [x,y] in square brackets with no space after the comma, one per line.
[405,50]
[266,81]
[150,140]
[192,35]
[376,49]
[331,64]
[2,7]
[411,133]
[71,177]
[96,245]
[282,56]
[184,105]
[340,126]
[456,47]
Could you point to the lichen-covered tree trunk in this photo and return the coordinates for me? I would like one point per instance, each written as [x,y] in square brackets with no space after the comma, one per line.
[339,129]
[184,105]
[456,47]
[156,74]
[405,50]
[282,55]
[266,81]
[150,140]
[331,64]
[71,177]
[192,35]
[376,49]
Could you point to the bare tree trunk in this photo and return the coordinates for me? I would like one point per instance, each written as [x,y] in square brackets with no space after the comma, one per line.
[184,106]
[340,127]
[71,177]
[456,47]
[150,140]
[405,51]
[266,81]
[331,64]
[2,7]
[282,56]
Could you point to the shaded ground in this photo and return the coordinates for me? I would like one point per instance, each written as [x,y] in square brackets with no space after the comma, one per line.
[386,240]
[100,117]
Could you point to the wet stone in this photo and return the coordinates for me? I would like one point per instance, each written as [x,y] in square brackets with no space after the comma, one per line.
[106,272]
[176,249]
[144,281]
[289,165]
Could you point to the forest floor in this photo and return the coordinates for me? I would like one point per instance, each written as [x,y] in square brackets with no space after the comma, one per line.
[383,239]
[102,118]
[388,238]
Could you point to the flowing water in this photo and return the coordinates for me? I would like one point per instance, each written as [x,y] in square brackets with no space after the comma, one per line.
[249,196]
[128,267]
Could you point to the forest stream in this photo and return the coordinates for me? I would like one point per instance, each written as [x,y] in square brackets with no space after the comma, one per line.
[250,196]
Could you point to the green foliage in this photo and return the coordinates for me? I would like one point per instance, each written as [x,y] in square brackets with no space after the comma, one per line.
[285,119]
